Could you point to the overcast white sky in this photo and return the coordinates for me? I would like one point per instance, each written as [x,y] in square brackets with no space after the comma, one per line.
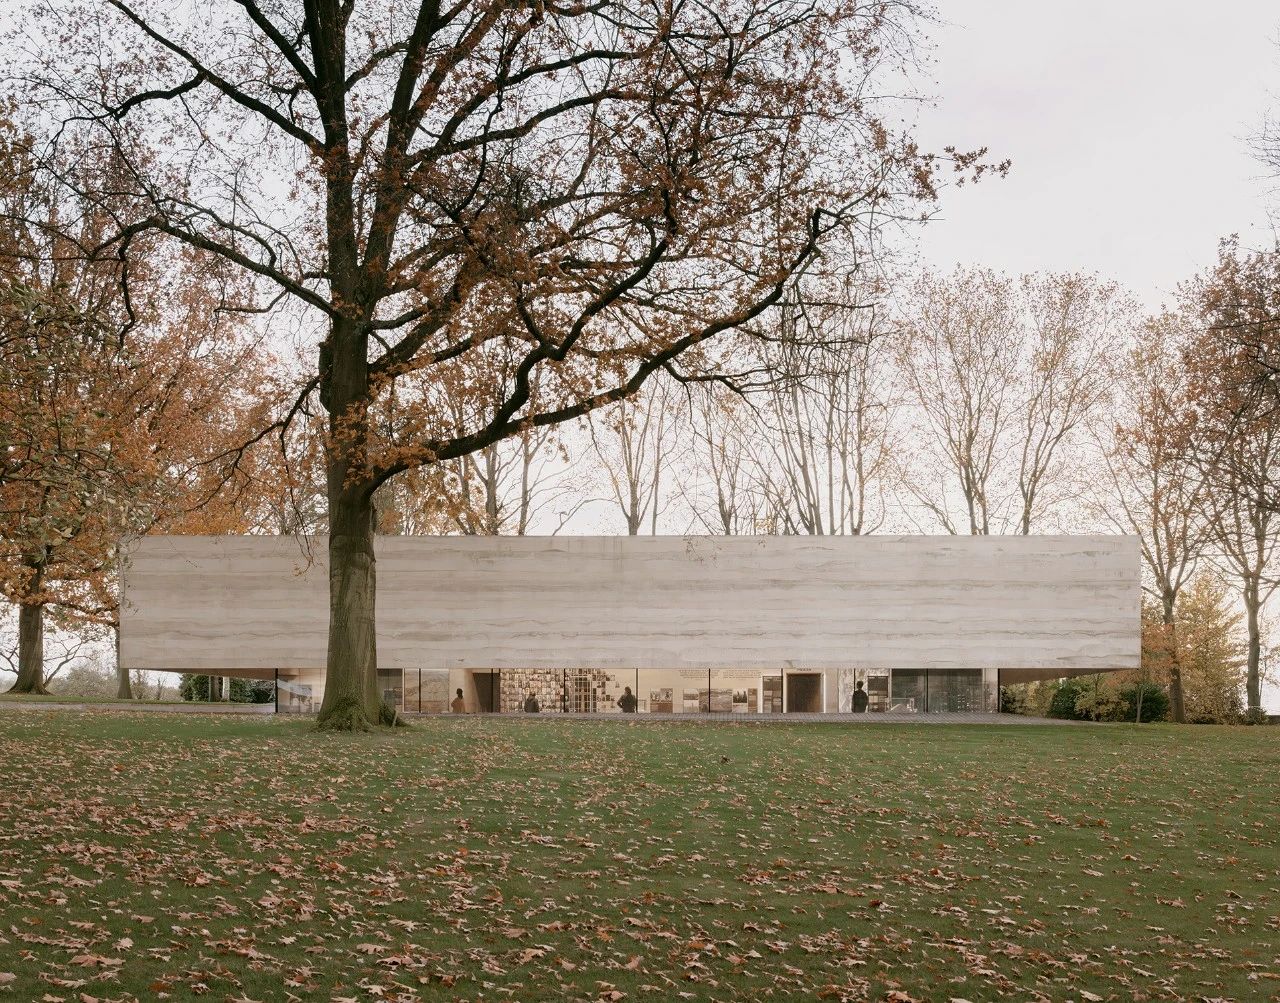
[1128,126]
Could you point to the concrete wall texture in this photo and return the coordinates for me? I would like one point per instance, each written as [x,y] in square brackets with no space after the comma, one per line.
[1034,607]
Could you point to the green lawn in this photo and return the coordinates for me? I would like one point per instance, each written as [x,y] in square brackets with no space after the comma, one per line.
[173,857]
[64,698]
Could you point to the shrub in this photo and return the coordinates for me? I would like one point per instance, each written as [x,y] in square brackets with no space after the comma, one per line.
[1099,699]
[1106,698]
[253,690]
[1063,702]
[1013,700]
[1155,703]
[196,687]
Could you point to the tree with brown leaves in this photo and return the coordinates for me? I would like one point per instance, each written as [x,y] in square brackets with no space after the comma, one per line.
[1233,431]
[1148,484]
[578,195]
[104,437]
[1212,651]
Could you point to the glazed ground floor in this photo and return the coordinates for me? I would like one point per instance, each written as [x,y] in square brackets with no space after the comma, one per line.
[665,691]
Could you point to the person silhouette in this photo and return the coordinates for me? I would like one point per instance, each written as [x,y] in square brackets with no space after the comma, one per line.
[627,703]
[860,699]
[459,706]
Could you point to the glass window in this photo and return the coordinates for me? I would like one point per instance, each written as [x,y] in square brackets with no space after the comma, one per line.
[771,701]
[955,691]
[908,690]
[877,690]
[391,687]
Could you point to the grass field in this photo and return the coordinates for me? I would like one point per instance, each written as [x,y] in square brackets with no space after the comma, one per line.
[233,859]
[38,698]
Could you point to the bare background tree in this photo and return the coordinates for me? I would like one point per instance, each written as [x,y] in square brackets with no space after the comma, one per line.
[59,650]
[1145,483]
[636,448]
[959,358]
[718,480]
[828,436]
[1003,375]
[1244,532]
[1078,325]
[1233,430]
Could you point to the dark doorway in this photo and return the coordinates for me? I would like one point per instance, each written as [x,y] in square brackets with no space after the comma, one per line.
[804,692]
[488,691]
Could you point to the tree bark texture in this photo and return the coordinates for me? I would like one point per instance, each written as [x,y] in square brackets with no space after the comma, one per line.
[1253,680]
[350,693]
[30,650]
[124,687]
[1177,703]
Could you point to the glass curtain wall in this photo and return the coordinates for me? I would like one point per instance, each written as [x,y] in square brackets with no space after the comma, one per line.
[595,691]
[938,691]
[688,691]
[908,691]
[955,691]
[293,697]
[391,687]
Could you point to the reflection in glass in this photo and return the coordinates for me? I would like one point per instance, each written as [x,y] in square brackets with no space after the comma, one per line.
[294,698]
[391,687]
[667,691]
[908,690]
[955,691]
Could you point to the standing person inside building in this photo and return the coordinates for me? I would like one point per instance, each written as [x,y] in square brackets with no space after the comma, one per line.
[531,705]
[459,705]
[628,702]
[860,699]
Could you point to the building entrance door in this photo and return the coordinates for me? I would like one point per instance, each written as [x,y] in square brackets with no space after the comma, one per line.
[488,692]
[804,692]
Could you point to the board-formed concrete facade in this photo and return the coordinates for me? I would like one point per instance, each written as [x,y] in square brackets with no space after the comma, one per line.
[517,612]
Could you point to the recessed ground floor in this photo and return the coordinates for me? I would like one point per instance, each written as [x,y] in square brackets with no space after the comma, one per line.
[668,691]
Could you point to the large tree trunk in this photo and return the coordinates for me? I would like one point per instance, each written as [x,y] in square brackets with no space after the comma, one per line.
[1177,703]
[1253,680]
[124,688]
[30,649]
[350,690]
[351,685]
[351,701]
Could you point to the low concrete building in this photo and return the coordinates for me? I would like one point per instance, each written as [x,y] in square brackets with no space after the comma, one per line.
[736,625]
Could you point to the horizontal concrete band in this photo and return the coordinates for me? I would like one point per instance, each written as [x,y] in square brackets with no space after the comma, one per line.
[1029,606]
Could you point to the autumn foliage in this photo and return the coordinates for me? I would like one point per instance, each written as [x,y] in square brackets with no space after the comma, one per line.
[496,217]
[124,407]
